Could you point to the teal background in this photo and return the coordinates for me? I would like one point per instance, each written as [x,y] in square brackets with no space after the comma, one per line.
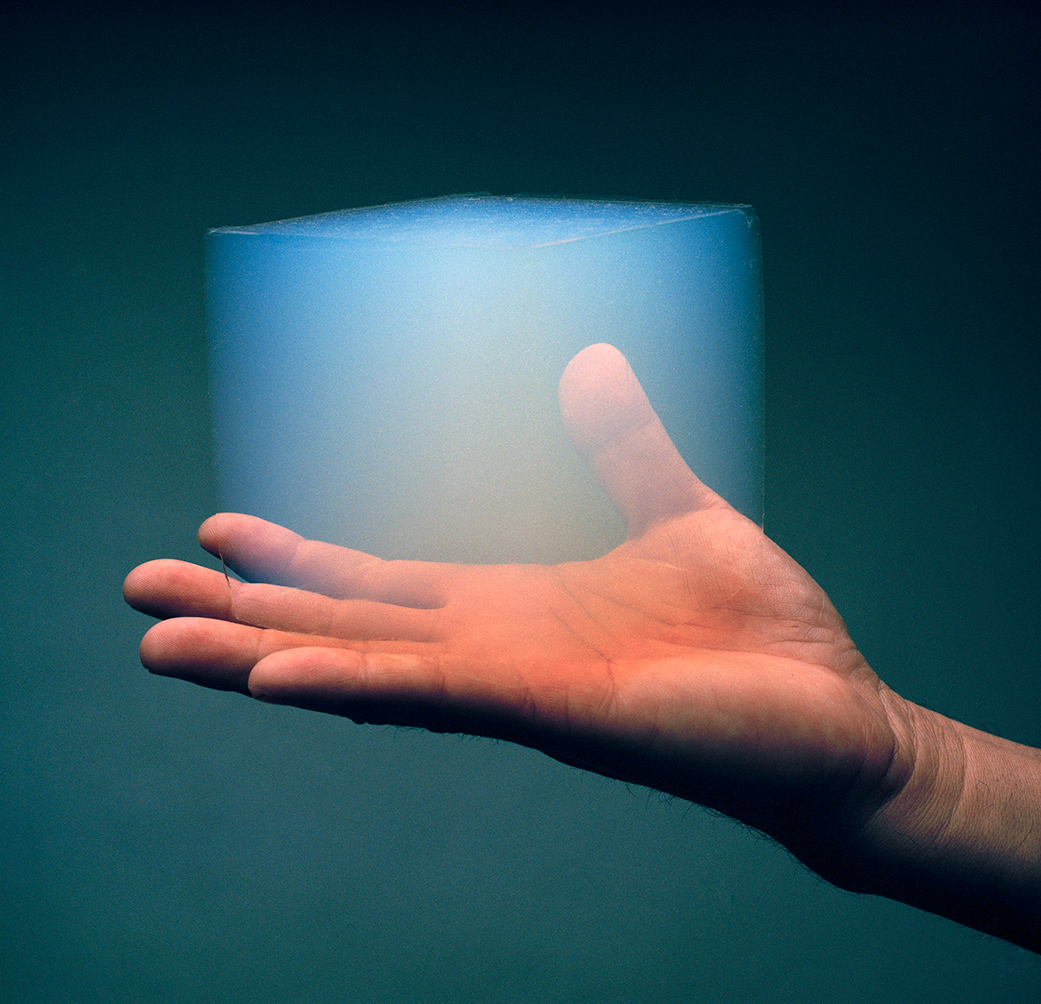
[164,843]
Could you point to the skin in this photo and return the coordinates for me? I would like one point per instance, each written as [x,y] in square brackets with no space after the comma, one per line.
[696,658]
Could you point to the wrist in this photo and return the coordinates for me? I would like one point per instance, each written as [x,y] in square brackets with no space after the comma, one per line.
[959,831]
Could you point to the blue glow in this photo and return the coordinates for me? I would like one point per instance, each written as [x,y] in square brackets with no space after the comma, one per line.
[386,377]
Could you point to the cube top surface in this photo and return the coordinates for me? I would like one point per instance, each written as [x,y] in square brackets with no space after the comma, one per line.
[485,221]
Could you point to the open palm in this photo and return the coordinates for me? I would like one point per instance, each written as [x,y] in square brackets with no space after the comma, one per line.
[696,658]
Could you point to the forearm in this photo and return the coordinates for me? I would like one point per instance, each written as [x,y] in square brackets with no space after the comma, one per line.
[963,837]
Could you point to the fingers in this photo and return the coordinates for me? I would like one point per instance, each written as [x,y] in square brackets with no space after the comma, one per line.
[397,687]
[219,654]
[378,688]
[259,550]
[225,655]
[611,422]
[169,589]
[211,653]
[387,684]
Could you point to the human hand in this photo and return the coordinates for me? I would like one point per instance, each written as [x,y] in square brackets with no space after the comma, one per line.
[696,658]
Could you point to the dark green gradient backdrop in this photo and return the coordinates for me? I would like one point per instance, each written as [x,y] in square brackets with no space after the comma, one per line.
[166,844]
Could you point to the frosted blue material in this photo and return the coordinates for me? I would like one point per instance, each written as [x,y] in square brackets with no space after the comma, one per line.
[386,377]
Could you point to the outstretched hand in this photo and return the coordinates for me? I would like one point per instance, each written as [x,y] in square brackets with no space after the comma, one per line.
[696,658]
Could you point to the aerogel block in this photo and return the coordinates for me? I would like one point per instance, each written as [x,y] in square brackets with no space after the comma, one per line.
[386,378]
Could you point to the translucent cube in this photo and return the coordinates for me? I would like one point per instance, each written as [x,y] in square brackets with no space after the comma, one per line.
[386,378]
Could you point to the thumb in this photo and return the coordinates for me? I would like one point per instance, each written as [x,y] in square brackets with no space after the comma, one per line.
[611,422]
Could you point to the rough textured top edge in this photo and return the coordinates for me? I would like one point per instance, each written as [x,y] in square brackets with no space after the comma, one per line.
[486,220]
